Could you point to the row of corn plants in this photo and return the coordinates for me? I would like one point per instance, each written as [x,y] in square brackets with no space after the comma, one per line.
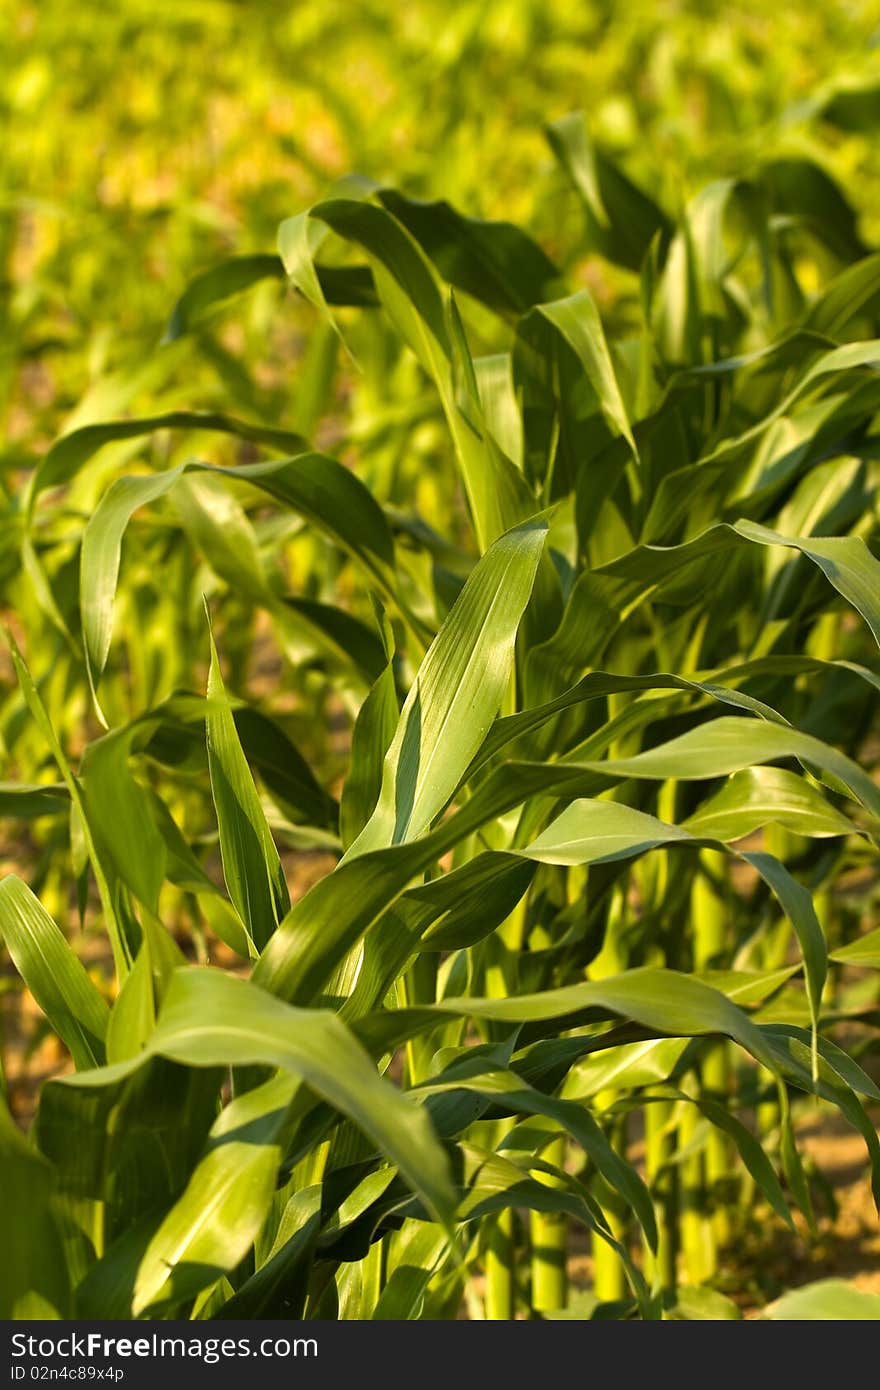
[600,613]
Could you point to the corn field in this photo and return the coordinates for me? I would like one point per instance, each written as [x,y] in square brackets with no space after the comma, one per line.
[439,707]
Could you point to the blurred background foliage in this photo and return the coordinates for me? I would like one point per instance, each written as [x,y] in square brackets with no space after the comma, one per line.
[145,140]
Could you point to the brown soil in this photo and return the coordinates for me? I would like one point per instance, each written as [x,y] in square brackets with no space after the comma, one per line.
[847,1243]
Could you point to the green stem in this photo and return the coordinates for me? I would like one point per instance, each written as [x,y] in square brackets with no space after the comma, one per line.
[715,1077]
[375,1272]
[709,916]
[697,1240]
[780,841]
[550,1245]
[767,1112]
[661,1176]
[501,1250]
[708,909]
[418,986]
[609,1275]
[609,1279]
[501,1269]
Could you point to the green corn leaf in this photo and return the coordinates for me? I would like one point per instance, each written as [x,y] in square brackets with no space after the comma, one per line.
[372,736]
[576,321]
[99,565]
[219,528]
[696,1303]
[278,1288]
[621,220]
[603,599]
[865,950]
[26,802]
[753,1156]
[332,498]
[623,1068]
[121,816]
[133,1017]
[72,451]
[828,1300]
[309,630]
[418,1253]
[846,562]
[495,1183]
[836,1065]
[671,1003]
[758,796]
[332,917]
[493,375]
[106,1290]
[599,831]
[33,1276]
[315,486]
[283,769]
[251,866]
[140,1128]
[509,1090]
[790,1160]
[496,262]
[731,744]
[466,904]
[206,292]
[590,832]
[457,692]
[410,293]
[800,188]
[598,685]
[847,295]
[118,928]
[211,1019]
[216,1219]
[53,973]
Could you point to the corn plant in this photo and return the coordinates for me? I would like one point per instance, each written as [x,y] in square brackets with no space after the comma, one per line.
[599,611]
